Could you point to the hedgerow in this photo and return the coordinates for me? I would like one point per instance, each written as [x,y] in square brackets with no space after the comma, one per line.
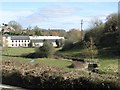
[34,76]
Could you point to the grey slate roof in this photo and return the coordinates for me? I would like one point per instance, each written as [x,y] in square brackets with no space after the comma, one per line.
[20,38]
[41,40]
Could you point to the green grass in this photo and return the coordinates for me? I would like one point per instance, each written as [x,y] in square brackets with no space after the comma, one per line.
[17,51]
[54,62]
[108,65]
[13,53]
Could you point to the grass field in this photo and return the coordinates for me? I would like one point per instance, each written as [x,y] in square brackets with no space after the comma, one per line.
[14,53]
[107,65]
[58,74]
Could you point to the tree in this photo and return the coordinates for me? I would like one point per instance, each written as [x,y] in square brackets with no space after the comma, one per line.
[15,25]
[59,42]
[91,50]
[95,23]
[29,28]
[47,50]
[53,33]
[74,35]
[118,38]
[111,24]
[37,31]
[31,44]
[110,33]
[67,45]
[96,32]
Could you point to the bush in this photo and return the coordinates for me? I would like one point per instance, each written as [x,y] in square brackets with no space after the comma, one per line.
[35,76]
[59,42]
[67,45]
[80,45]
[47,50]
[109,39]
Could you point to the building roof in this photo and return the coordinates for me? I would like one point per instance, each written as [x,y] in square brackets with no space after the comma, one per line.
[41,40]
[20,38]
[46,37]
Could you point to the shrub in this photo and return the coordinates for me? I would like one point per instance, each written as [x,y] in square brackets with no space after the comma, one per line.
[36,76]
[59,42]
[80,45]
[67,45]
[47,50]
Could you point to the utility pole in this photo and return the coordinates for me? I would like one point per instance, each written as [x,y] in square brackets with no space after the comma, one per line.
[81,30]
[49,31]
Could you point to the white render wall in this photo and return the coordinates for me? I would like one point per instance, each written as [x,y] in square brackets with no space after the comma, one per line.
[24,43]
[19,43]
[14,43]
[37,44]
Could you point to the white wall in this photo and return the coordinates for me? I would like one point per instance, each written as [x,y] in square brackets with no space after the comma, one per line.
[19,43]
[7,41]
[13,43]
[44,37]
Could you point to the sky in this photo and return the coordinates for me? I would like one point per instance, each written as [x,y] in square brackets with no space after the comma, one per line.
[56,15]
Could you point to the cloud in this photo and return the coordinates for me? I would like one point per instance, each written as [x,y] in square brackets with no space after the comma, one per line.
[57,11]
[6,16]
[54,16]
[49,14]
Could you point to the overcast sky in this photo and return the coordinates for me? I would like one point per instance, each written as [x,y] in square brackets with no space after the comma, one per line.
[56,15]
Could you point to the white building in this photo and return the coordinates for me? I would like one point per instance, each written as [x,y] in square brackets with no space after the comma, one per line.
[6,28]
[38,40]
[25,41]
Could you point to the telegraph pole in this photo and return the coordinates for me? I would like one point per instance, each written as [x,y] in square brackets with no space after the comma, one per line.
[81,29]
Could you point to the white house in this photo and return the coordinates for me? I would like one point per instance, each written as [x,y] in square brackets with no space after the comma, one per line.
[16,41]
[6,28]
[38,40]
[25,41]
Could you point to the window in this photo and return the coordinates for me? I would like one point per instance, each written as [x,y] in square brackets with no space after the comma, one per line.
[16,40]
[19,40]
[12,45]
[25,40]
[22,40]
[12,41]
[16,44]
[25,44]
[19,44]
